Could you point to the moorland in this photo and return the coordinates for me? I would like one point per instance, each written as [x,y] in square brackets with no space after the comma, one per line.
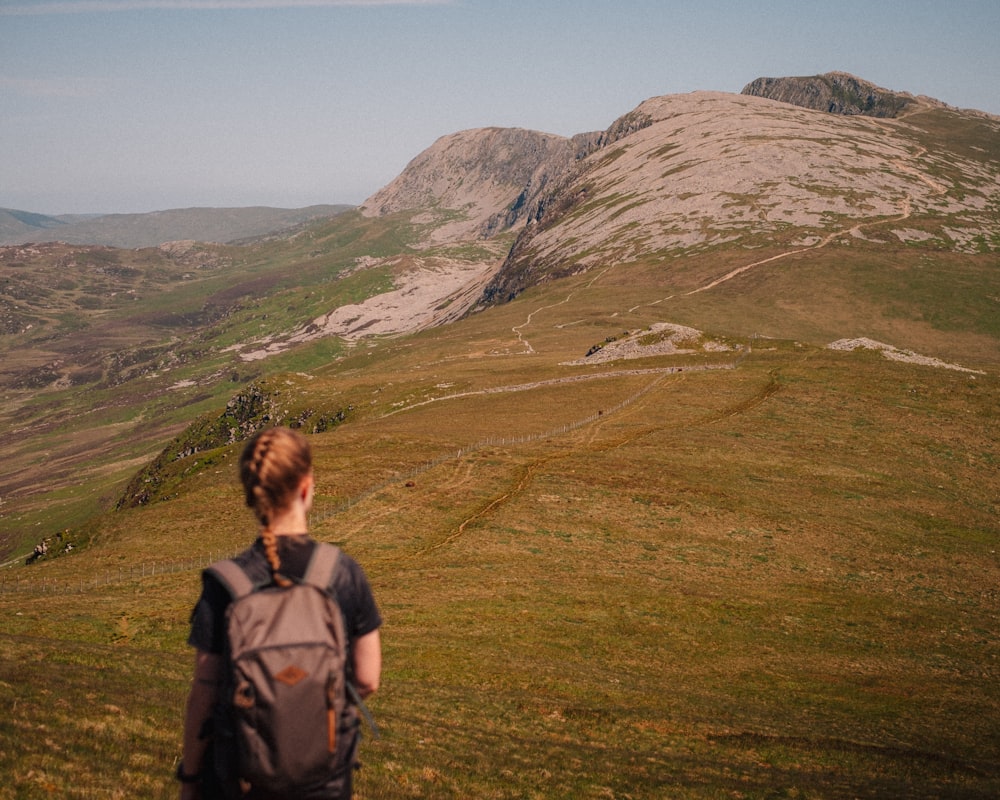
[672,462]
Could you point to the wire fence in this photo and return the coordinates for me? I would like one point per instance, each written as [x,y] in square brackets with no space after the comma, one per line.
[21,581]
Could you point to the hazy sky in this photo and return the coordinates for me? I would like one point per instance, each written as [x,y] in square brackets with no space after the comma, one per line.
[141,105]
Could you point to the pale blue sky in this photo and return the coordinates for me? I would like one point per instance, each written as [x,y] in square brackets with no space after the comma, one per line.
[140,105]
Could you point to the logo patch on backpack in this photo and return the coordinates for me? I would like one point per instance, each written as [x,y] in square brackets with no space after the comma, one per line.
[285,724]
[291,675]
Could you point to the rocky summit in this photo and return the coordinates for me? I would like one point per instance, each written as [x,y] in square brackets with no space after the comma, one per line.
[789,162]
[492,177]
[834,92]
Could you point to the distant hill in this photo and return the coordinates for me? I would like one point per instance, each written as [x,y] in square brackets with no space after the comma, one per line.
[130,231]
[14,224]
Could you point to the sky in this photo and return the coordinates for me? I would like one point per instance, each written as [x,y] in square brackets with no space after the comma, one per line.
[124,106]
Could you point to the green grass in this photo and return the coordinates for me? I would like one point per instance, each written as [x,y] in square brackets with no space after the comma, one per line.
[727,588]
[776,580]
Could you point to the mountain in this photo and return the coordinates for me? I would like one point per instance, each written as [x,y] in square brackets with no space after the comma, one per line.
[15,224]
[706,400]
[705,172]
[154,228]
[493,177]
[741,213]
[710,170]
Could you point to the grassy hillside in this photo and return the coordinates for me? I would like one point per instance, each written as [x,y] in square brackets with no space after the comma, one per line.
[109,353]
[713,574]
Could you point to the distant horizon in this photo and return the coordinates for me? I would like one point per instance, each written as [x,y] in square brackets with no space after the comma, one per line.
[137,106]
[56,215]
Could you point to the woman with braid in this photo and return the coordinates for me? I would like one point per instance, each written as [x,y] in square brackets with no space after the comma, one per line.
[276,473]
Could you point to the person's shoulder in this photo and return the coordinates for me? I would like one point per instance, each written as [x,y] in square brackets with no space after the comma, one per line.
[252,561]
[348,563]
[348,571]
[248,556]
[344,557]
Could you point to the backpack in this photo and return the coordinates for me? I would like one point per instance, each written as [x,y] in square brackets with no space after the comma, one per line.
[284,725]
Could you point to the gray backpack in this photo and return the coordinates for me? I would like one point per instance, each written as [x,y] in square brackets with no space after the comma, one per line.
[284,726]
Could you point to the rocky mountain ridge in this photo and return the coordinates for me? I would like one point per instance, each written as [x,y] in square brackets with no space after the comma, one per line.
[490,212]
[493,177]
[712,169]
[686,173]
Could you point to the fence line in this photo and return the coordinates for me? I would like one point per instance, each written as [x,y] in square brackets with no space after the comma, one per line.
[323,511]
[18,581]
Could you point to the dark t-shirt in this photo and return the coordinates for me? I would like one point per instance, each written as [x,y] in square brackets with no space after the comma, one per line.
[350,587]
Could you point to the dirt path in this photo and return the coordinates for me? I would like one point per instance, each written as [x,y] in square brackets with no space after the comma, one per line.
[587,440]
[528,321]
[523,387]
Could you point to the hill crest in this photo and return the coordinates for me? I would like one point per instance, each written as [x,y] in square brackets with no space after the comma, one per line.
[836,93]
[709,169]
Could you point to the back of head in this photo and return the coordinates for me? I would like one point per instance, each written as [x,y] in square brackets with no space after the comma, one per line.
[272,466]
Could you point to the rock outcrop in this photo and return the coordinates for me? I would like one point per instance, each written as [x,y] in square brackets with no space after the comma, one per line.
[834,92]
[690,173]
[493,178]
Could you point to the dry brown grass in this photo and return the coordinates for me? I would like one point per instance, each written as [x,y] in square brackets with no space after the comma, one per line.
[773,581]
[777,580]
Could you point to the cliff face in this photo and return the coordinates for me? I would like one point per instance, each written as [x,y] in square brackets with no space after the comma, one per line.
[834,92]
[493,177]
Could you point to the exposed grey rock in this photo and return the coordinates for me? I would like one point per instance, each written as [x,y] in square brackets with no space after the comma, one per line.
[493,176]
[834,92]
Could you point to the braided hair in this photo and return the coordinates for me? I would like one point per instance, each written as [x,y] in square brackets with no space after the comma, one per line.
[272,466]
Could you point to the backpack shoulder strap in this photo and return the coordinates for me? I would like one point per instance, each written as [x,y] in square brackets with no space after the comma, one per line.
[233,577]
[319,573]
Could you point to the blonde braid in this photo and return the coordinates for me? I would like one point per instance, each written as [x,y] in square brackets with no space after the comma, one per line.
[271,467]
[270,542]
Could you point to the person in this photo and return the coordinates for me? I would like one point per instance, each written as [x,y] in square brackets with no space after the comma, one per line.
[277,477]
